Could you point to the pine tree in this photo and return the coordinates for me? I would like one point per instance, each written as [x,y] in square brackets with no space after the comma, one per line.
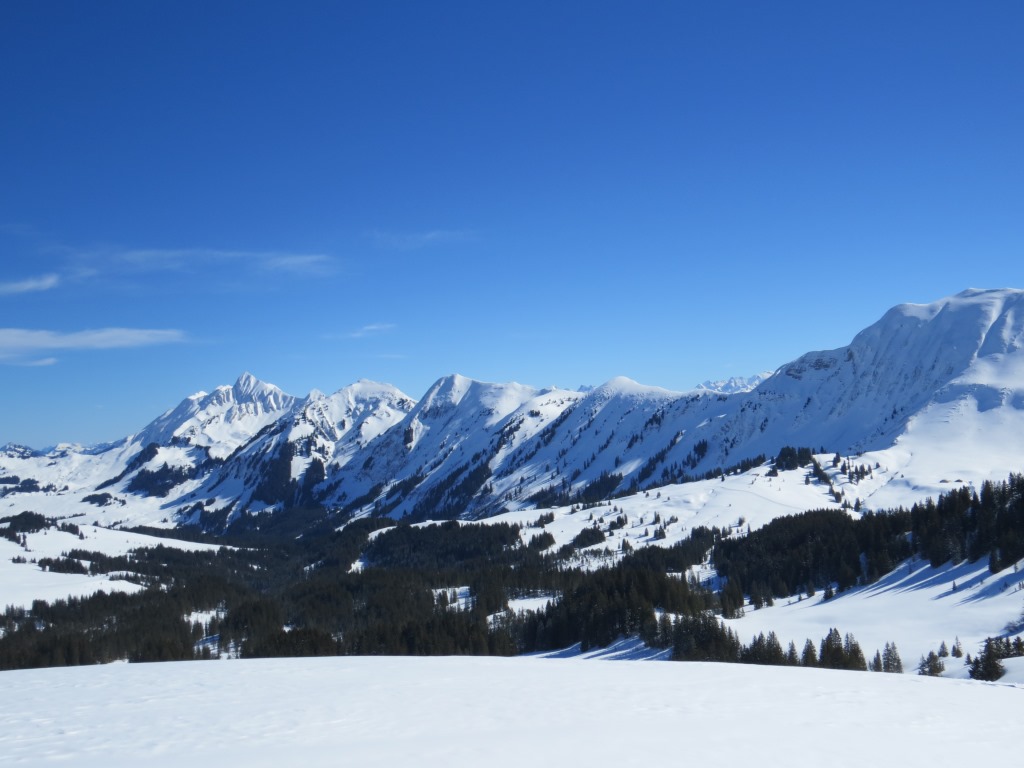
[958,650]
[891,661]
[988,664]
[854,655]
[809,658]
[792,659]
[831,654]
[932,666]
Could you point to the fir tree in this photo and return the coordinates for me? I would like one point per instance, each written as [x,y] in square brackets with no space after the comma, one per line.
[988,664]
[891,661]
[809,658]
[932,666]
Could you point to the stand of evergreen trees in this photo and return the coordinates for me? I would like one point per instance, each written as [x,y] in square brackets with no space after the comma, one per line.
[275,594]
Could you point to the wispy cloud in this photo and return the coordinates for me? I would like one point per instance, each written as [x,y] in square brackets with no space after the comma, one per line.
[39,363]
[187,259]
[411,241]
[17,345]
[373,329]
[305,264]
[29,285]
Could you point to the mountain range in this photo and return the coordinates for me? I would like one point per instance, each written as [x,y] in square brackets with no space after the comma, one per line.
[935,392]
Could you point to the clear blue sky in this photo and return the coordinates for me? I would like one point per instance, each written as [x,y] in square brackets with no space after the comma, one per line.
[545,192]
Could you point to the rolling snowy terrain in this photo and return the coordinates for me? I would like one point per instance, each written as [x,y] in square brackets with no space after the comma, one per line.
[926,401]
[932,397]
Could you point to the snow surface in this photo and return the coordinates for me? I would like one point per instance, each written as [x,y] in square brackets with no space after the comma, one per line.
[379,711]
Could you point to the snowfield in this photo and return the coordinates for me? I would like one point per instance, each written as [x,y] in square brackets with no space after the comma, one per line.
[450,711]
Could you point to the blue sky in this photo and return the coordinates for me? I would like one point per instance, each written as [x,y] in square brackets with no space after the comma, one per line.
[551,193]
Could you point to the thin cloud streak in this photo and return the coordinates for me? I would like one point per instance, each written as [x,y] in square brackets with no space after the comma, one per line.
[185,259]
[312,264]
[372,329]
[18,343]
[416,240]
[30,285]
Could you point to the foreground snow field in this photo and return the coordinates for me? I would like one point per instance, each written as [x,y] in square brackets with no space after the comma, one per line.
[502,712]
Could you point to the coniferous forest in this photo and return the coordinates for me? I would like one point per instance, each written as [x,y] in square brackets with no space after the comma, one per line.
[444,589]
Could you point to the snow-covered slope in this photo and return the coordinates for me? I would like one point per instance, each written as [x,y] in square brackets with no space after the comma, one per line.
[379,711]
[23,581]
[934,393]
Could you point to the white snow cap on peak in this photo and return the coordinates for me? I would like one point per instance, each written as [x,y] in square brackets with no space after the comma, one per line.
[623,385]
[247,384]
[735,384]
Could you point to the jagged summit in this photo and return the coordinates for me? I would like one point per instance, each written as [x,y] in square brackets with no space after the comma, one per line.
[248,386]
[734,385]
[222,420]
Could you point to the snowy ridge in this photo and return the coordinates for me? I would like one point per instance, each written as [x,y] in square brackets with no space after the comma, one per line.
[735,384]
[933,391]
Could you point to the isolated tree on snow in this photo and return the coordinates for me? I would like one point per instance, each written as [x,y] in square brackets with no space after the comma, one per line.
[988,665]
[891,661]
[931,666]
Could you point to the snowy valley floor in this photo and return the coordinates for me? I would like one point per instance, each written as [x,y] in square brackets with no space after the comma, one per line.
[387,711]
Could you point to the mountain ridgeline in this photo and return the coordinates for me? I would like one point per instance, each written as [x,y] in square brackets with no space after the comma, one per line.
[468,449]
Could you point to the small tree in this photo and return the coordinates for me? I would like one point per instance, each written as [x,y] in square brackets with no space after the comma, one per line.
[988,664]
[891,661]
[831,654]
[792,659]
[932,666]
[854,655]
[809,658]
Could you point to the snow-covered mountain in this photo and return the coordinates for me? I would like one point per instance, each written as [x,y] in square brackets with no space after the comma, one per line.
[933,392]
[735,384]
[220,421]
